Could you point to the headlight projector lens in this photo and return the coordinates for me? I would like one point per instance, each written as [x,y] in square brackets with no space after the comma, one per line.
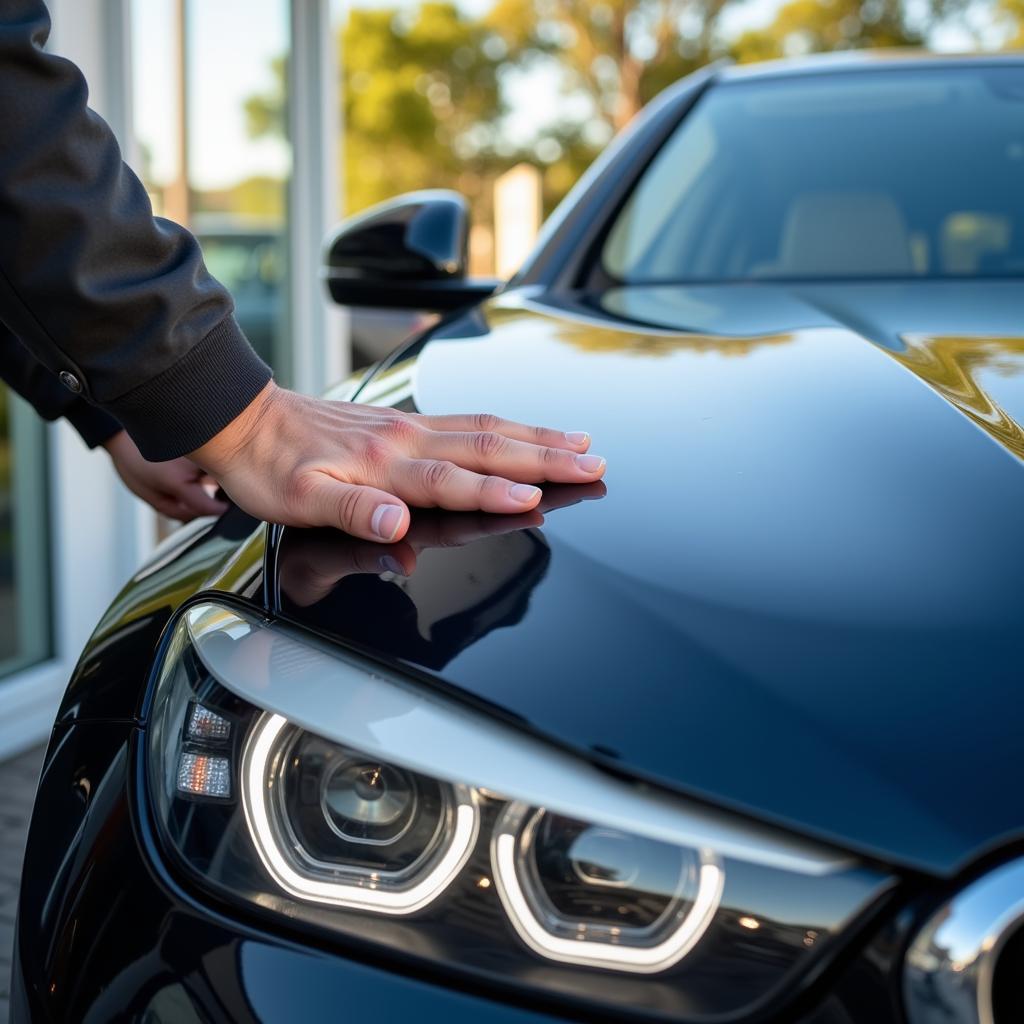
[334,826]
[369,803]
[589,895]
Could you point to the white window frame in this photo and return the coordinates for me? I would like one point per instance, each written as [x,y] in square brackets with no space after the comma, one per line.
[99,532]
[320,352]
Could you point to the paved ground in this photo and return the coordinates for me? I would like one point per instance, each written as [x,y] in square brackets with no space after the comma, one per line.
[17,789]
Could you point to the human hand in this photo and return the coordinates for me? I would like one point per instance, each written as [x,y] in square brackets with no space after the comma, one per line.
[175,489]
[305,462]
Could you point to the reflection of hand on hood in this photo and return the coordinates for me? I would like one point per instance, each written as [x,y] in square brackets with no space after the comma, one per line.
[454,578]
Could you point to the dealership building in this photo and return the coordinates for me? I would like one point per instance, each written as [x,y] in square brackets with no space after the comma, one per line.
[183,84]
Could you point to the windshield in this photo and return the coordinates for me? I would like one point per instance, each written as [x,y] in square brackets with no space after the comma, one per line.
[901,173]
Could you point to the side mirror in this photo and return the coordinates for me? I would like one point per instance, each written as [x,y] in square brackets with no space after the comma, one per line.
[407,253]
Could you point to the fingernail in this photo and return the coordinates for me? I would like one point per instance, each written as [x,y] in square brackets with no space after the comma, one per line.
[589,463]
[386,521]
[577,437]
[389,564]
[523,492]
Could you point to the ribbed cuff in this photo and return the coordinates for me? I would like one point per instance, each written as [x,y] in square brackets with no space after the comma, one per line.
[182,408]
[93,425]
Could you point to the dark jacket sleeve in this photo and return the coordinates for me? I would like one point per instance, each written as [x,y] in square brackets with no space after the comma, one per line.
[23,373]
[115,301]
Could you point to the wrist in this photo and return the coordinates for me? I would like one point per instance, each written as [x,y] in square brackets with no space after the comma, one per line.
[115,443]
[226,446]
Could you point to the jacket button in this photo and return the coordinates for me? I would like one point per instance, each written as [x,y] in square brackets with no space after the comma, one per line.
[71,382]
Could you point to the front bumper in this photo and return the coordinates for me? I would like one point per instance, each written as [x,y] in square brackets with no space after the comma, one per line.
[106,933]
[203,972]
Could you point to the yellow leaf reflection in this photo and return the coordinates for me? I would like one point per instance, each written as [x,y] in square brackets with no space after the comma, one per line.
[966,370]
[617,336]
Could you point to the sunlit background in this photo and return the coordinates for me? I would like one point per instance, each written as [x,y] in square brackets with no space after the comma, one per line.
[454,95]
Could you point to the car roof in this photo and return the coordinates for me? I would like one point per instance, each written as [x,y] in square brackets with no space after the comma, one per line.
[864,60]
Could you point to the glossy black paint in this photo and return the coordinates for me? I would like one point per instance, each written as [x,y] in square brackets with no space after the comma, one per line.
[796,596]
[109,681]
[800,521]
[408,253]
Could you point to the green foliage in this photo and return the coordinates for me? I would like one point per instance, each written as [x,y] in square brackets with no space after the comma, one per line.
[1011,15]
[612,57]
[258,198]
[265,114]
[424,88]
[618,53]
[421,96]
[817,26]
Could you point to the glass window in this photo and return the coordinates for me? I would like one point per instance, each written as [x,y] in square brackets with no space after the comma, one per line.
[24,562]
[847,175]
[210,122]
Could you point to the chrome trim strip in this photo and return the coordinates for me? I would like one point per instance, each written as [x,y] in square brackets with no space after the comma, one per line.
[950,966]
[338,696]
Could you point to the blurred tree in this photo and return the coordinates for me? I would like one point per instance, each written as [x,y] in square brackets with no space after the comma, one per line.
[425,88]
[609,58]
[421,95]
[265,113]
[618,53]
[815,26]
[259,198]
[1011,14]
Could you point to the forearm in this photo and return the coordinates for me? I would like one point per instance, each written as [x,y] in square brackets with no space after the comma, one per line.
[93,285]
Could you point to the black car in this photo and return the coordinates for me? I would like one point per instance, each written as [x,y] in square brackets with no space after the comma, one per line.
[735,737]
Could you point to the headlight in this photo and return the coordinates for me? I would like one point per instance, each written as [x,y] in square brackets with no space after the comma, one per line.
[585,894]
[333,825]
[303,782]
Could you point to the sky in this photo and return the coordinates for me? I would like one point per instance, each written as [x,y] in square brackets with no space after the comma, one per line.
[223,76]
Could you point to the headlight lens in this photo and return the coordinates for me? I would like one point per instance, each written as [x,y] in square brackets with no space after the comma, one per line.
[335,826]
[298,780]
[590,895]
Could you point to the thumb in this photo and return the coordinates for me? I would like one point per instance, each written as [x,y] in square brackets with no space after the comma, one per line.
[360,511]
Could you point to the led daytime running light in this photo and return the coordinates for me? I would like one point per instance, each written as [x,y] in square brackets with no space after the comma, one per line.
[255,795]
[587,952]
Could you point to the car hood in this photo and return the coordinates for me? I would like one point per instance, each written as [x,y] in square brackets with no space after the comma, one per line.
[799,596]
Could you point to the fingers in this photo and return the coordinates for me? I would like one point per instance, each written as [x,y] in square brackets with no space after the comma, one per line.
[574,440]
[493,453]
[194,498]
[366,512]
[433,482]
[185,503]
[171,509]
[301,462]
